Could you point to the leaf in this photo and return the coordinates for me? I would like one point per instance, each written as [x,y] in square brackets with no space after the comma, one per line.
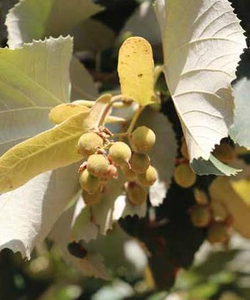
[36,19]
[102,37]
[143,23]
[222,192]
[163,153]
[82,84]
[242,188]
[28,213]
[136,71]
[213,166]
[202,43]
[64,111]
[29,90]
[51,149]
[92,266]
[240,130]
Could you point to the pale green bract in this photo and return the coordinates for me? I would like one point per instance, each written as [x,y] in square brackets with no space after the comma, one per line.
[33,79]
[37,19]
[240,130]
[202,43]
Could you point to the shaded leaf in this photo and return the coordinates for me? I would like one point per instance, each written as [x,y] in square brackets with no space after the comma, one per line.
[82,84]
[136,71]
[102,37]
[143,23]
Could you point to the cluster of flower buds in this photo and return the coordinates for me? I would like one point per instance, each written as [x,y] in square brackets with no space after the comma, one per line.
[105,157]
[212,216]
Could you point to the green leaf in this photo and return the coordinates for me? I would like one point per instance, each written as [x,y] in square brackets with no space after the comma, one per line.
[136,71]
[212,166]
[33,79]
[36,19]
[240,130]
[51,149]
[202,43]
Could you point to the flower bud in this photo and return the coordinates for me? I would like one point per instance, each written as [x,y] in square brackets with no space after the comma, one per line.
[137,194]
[218,233]
[97,165]
[142,139]
[89,183]
[200,216]
[120,153]
[149,177]
[128,173]
[89,143]
[184,176]
[139,162]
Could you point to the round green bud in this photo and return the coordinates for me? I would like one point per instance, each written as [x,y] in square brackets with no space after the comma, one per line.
[120,153]
[128,173]
[137,194]
[89,143]
[218,233]
[149,177]
[89,183]
[97,165]
[139,162]
[184,176]
[142,139]
[200,216]
[91,199]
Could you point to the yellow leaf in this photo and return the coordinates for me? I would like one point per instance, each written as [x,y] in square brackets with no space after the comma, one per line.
[242,188]
[221,192]
[62,112]
[51,149]
[136,71]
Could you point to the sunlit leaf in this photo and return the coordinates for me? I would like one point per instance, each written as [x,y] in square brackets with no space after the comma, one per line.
[202,43]
[51,149]
[33,79]
[28,213]
[136,71]
[242,187]
[36,19]
[221,191]
[240,130]
[62,112]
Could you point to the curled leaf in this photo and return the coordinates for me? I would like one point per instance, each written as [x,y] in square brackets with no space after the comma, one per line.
[62,112]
